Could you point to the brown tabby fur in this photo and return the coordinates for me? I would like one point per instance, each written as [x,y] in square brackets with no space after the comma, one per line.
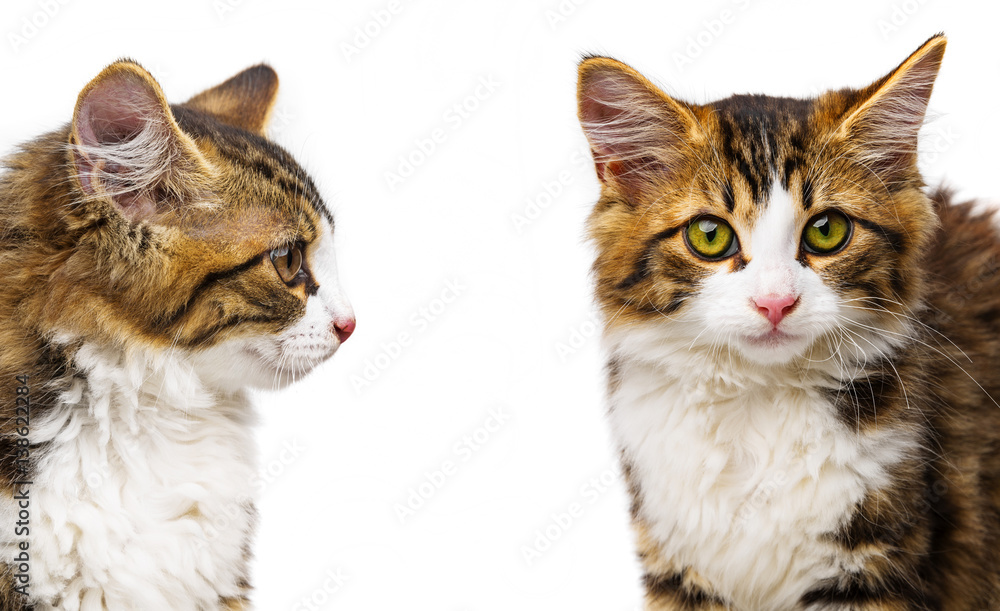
[930,541]
[192,273]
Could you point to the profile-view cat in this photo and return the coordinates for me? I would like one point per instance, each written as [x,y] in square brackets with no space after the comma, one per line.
[803,347]
[159,261]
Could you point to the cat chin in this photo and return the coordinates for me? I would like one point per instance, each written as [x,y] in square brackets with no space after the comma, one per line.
[237,365]
[773,348]
[271,371]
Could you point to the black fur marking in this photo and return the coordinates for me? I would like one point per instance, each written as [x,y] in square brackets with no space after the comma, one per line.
[807,193]
[228,323]
[797,142]
[746,171]
[727,196]
[866,286]
[205,283]
[792,163]
[896,283]
[856,591]
[674,588]
[895,239]
[641,271]
[752,128]
[663,235]
[233,143]
[859,401]
[863,531]
[677,299]
[145,238]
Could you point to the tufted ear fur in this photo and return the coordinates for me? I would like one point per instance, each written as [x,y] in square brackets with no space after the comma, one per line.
[882,130]
[126,145]
[637,133]
[243,101]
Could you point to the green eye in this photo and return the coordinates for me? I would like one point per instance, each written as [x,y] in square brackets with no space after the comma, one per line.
[826,232]
[711,238]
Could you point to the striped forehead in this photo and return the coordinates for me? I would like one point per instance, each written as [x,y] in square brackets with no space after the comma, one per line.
[260,174]
[762,142]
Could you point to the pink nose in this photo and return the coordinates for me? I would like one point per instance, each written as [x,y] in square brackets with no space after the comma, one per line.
[775,308]
[344,327]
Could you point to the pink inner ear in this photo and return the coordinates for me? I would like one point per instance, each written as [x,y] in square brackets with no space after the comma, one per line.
[632,131]
[604,117]
[125,146]
[115,112]
[595,112]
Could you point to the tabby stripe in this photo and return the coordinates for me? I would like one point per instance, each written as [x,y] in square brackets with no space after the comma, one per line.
[676,301]
[743,166]
[871,527]
[270,173]
[206,282]
[897,283]
[641,271]
[772,145]
[317,202]
[895,239]
[727,196]
[856,590]
[231,142]
[292,186]
[858,401]
[797,142]
[673,588]
[807,193]
[791,164]
[228,323]
[756,189]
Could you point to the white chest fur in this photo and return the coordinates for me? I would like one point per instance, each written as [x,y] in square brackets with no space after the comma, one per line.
[142,499]
[742,472]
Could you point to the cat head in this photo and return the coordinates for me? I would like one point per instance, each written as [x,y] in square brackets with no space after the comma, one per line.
[186,229]
[762,225]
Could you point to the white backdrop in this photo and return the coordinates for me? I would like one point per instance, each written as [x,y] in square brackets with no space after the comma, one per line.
[453,456]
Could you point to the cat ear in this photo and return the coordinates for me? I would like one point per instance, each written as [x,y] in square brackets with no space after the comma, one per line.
[126,145]
[244,101]
[636,132]
[882,131]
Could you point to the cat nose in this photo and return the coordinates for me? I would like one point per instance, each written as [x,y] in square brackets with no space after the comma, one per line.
[344,327]
[775,308]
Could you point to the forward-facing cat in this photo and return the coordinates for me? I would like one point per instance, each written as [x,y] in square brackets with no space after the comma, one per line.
[159,260]
[803,348]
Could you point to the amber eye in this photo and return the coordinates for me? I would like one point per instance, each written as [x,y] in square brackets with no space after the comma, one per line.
[287,261]
[826,233]
[711,238]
